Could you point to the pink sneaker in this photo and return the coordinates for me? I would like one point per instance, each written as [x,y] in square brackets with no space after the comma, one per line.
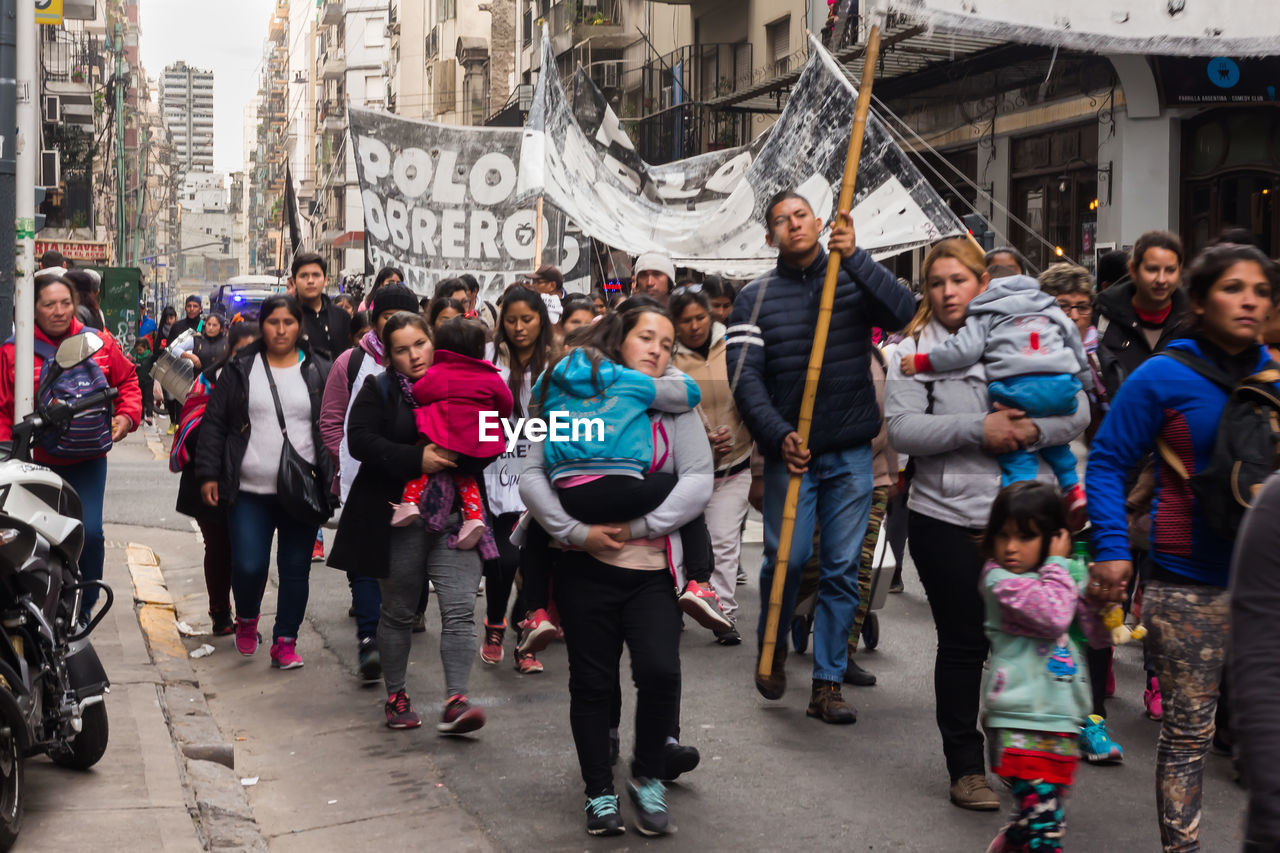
[538,633]
[403,514]
[469,534]
[703,605]
[460,717]
[998,844]
[247,636]
[1153,700]
[284,654]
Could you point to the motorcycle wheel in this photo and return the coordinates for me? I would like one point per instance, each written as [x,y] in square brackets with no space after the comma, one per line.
[12,788]
[89,746]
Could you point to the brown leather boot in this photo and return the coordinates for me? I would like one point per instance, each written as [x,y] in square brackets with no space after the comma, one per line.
[774,684]
[828,705]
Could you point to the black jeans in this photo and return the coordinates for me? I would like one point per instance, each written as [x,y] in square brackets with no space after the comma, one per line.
[608,499]
[500,574]
[602,607]
[947,558]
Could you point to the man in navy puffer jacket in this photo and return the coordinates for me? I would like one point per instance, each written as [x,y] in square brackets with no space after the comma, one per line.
[771,341]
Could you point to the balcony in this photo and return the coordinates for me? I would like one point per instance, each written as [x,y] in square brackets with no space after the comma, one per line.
[706,72]
[688,129]
[334,66]
[601,21]
[71,57]
[333,116]
[331,13]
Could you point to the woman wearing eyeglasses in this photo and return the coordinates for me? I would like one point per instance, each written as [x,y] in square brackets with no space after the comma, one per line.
[1072,287]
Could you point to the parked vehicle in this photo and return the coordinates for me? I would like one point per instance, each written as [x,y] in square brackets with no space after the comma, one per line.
[52,684]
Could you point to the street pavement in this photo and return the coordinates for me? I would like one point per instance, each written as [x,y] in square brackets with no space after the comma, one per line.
[330,776]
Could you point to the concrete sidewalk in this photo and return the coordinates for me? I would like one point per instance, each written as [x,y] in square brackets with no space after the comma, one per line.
[329,775]
[134,798]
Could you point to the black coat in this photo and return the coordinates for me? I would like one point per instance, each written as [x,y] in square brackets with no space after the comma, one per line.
[1122,347]
[224,430]
[383,435]
[327,330]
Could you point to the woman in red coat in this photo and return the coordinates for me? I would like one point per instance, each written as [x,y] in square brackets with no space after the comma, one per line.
[84,468]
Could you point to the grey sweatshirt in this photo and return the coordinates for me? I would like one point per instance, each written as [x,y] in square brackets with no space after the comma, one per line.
[939,424]
[1015,329]
[688,456]
[1255,665]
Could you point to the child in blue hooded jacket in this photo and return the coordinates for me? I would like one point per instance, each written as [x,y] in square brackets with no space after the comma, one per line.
[604,470]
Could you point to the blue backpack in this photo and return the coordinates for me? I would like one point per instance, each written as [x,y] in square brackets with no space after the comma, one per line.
[88,434]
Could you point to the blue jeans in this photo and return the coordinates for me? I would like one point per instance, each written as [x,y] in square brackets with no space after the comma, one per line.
[89,479]
[836,493]
[253,521]
[1040,396]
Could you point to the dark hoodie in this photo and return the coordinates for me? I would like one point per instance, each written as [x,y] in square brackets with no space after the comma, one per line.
[1122,346]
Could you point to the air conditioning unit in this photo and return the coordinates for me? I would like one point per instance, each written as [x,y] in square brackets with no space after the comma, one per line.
[52,108]
[50,167]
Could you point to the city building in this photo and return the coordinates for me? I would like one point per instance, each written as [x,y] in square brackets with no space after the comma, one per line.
[186,101]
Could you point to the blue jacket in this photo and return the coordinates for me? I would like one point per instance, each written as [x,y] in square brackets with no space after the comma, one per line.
[774,350]
[619,398]
[1161,399]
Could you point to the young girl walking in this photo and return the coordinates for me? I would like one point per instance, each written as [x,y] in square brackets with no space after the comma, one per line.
[1036,689]
[458,390]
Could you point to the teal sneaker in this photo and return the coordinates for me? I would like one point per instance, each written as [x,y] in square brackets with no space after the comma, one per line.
[649,796]
[1096,745]
[603,817]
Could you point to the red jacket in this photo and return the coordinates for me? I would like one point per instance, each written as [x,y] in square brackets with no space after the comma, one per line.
[451,396]
[115,366]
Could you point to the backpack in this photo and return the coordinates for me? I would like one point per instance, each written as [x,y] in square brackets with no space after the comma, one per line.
[1245,449]
[88,434]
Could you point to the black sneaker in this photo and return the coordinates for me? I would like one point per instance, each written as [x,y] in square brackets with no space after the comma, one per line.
[370,662]
[857,676]
[603,817]
[729,638]
[649,796]
[224,624]
[678,758]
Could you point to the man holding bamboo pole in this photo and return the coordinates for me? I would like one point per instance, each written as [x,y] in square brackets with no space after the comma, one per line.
[769,339]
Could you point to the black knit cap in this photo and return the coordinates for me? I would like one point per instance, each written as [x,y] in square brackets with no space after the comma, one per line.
[394,297]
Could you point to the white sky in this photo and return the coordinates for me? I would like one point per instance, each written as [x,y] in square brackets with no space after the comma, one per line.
[224,36]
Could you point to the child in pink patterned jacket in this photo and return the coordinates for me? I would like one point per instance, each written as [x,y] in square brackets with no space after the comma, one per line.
[1036,690]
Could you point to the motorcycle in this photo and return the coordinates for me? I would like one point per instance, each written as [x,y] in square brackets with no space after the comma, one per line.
[52,684]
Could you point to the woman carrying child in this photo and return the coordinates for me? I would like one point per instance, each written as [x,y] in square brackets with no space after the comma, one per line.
[616,583]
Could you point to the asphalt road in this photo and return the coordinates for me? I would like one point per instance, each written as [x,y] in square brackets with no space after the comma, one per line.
[770,777]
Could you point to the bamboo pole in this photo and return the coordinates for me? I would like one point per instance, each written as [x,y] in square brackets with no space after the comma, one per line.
[765,665]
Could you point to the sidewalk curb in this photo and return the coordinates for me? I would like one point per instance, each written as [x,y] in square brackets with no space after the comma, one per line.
[221,811]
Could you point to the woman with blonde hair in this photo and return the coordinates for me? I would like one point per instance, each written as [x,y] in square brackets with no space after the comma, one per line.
[945,422]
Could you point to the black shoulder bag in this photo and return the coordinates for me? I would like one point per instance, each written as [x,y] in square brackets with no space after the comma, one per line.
[298,486]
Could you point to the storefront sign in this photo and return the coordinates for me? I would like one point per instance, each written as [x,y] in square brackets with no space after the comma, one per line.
[75,250]
[1218,80]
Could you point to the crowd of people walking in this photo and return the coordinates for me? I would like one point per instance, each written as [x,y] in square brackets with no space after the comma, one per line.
[1053,452]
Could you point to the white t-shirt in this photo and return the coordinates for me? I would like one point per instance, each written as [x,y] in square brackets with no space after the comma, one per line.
[261,464]
[502,477]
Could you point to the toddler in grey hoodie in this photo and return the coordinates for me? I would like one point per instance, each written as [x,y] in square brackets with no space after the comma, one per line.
[1035,362]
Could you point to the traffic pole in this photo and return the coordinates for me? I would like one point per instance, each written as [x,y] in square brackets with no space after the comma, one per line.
[764,666]
[8,166]
[24,314]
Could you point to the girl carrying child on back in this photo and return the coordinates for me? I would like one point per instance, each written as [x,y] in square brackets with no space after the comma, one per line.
[1036,689]
[607,474]
[450,399]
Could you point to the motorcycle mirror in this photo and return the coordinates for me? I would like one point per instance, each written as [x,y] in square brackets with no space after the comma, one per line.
[77,349]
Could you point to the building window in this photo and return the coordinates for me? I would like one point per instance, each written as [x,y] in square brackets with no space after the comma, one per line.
[475,94]
[1055,192]
[446,10]
[778,38]
[373,32]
